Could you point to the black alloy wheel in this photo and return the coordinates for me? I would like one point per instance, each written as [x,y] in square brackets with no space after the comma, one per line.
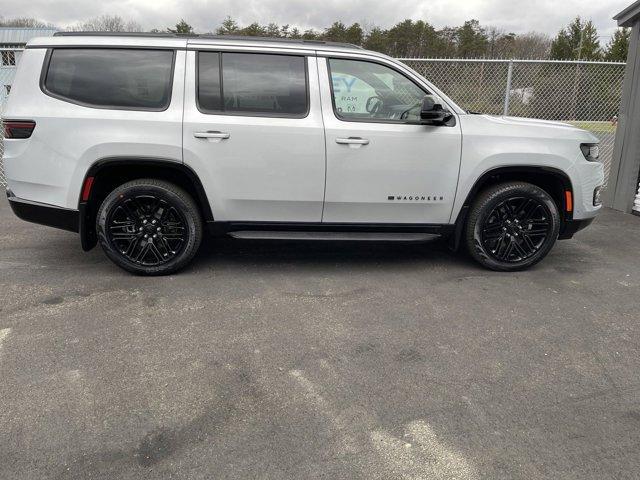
[516,229]
[149,227]
[512,226]
[146,229]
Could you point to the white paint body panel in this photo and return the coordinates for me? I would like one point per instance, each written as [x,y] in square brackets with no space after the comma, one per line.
[275,169]
[415,164]
[269,169]
[495,142]
[50,166]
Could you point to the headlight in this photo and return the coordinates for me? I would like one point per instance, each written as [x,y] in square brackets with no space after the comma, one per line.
[591,151]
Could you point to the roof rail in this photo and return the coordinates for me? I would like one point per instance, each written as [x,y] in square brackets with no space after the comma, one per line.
[114,34]
[208,37]
[303,41]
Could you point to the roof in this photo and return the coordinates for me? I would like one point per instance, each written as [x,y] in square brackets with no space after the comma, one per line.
[200,39]
[13,36]
[629,16]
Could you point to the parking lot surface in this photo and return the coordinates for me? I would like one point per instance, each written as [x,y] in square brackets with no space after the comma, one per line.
[272,360]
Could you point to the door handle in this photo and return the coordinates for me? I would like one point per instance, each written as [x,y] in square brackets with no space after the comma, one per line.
[211,134]
[352,141]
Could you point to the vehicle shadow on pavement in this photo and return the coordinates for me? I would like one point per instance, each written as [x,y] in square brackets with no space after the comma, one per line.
[226,250]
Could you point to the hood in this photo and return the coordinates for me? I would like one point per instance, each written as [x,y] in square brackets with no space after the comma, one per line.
[537,127]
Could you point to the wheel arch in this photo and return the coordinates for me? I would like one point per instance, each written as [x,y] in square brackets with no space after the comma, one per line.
[106,174]
[553,180]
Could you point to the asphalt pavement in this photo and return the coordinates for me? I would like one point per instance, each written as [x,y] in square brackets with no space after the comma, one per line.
[294,360]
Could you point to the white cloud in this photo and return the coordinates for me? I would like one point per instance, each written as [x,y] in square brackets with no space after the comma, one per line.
[205,15]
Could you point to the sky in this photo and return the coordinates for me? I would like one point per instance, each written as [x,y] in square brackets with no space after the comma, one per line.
[518,16]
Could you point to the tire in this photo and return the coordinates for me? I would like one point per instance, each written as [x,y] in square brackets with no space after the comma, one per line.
[512,226]
[149,227]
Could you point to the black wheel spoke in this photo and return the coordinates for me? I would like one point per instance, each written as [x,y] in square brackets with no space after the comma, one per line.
[516,228]
[529,243]
[519,250]
[147,229]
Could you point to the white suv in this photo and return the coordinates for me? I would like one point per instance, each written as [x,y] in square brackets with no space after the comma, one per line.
[139,142]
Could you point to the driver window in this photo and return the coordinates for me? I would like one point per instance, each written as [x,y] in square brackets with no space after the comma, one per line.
[369,91]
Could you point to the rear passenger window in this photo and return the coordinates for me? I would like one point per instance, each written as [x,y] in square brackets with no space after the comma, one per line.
[111,78]
[253,84]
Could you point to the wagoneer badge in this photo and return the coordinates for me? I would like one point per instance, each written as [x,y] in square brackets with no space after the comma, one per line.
[415,198]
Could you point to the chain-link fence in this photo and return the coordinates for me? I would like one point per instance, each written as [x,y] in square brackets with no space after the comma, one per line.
[586,94]
[9,58]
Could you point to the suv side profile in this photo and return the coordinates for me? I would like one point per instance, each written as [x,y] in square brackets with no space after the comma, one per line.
[143,142]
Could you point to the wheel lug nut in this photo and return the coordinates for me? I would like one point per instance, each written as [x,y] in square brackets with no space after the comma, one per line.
[154,222]
[140,229]
[154,235]
[144,221]
[158,229]
[146,236]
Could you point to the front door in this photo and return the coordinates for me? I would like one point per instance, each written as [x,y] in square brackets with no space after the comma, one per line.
[380,167]
[253,133]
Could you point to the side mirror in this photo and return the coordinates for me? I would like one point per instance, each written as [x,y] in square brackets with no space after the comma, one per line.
[432,113]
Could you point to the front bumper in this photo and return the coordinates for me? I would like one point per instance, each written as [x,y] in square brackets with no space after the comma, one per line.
[571,227]
[44,214]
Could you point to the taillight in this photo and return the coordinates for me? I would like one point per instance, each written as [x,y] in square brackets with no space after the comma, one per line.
[18,128]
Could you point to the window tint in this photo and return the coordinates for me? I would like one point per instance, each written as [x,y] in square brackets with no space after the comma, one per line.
[122,78]
[253,84]
[370,91]
[209,93]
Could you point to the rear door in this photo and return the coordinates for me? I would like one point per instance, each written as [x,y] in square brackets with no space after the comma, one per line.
[253,132]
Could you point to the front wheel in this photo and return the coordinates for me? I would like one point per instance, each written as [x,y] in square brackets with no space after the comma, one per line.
[512,226]
[149,227]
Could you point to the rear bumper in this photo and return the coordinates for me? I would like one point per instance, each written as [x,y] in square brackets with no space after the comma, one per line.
[44,214]
[571,227]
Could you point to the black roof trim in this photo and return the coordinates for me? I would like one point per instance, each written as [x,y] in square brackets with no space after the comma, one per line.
[114,34]
[207,37]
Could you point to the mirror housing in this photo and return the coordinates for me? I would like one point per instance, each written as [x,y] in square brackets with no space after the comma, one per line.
[432,113]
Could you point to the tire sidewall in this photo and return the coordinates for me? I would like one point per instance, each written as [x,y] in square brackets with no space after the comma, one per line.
[137,188]
[486,206]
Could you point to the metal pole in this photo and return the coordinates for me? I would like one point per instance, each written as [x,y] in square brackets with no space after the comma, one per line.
[507,93]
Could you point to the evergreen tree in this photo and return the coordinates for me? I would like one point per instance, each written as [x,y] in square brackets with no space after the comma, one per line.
[618,47]
[182,27]
[472,40]
[578,41]
[376,39]
[228,27]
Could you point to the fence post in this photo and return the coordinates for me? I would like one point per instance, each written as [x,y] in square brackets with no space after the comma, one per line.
[507,93]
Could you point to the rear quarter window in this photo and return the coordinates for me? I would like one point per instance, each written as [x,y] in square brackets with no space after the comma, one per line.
[111,78]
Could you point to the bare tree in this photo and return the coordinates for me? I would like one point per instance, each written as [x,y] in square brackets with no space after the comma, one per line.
[532,45]
[24,22]
[108,23]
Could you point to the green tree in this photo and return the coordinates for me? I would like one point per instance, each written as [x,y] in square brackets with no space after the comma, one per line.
[618,47]
[376,39]
[228,27]
[273,30]
[182,27]
[339,32]
[472,40]
[253,30]
[578,41]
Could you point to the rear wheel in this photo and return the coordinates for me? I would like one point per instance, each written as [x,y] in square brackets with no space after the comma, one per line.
[512,226]
[149,227]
